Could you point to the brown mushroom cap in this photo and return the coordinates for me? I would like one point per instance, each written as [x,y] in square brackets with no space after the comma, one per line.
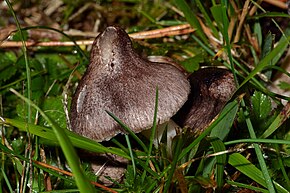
[119,81]
[211,88]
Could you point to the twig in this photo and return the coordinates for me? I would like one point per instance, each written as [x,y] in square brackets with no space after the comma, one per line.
[277,3]
[169,31]
[30,43]
[242,19]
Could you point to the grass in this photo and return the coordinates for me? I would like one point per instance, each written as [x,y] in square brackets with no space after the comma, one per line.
[245,147]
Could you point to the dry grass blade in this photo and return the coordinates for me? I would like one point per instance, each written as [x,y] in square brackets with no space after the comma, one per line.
[169,31]
[277,3]
[70,174]
[158,33]
[242,19]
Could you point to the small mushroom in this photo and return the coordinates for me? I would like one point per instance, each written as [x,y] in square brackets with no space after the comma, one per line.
[118,80]
[211,88]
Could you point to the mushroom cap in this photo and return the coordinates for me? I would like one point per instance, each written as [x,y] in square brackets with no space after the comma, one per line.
[118,80]
[211,88]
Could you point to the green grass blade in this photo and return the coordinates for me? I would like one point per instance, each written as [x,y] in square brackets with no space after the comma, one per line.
[256,189]
[266,49]
[154,125]
[71,156]
[148,169]
[6,180]
[228,109]
[27,67]
[273,141]
[62,33]
[177,150]
[278,121]
[259,153]
[50,171]
[191,19]
[277,51]
[77,140]
[222,129]
[207,18]
[127,129]
[27,87]
[220,18]
[270,14]
[33,74]
[131,154]
[247,168]
[152,136]
[62,191]
[218,146]
[223,21]
[282,165]
[253,80]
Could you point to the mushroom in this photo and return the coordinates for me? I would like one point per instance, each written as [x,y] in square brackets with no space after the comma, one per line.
[211,88]
[120,81]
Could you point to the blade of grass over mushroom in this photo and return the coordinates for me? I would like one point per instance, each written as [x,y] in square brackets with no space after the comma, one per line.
[127,129]
[154,125]
[222,129]
[258,151]
[153,131]
[228,109]
[77,140]
[247,168]
[190,17]
[71,156]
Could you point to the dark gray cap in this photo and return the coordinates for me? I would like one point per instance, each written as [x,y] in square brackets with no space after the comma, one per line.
[211,88]
[120,81]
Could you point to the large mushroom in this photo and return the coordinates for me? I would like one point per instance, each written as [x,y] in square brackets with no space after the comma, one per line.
[118,80]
